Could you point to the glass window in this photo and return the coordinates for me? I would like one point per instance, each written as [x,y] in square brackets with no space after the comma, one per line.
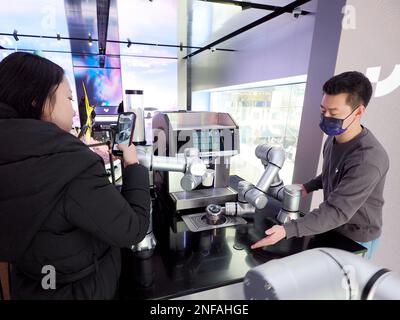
[157,78]
[153,69]
[269,114]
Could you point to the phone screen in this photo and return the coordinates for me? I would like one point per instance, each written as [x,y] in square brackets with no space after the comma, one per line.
[125,128]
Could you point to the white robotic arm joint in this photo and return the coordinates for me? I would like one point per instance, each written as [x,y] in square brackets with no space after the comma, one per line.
[251,197]
[321,273]
[190,164]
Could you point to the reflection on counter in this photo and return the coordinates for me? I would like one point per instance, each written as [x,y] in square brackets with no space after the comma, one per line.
[186,262]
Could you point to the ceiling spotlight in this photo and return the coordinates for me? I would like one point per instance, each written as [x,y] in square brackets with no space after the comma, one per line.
[58,37]
[297,12]
[129,42]
[15,34]
[90,40]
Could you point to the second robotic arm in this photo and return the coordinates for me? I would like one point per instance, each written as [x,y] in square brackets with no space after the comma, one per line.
[273,159]
[252,197]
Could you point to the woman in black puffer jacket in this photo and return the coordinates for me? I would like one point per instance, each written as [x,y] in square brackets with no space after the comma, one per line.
[57,207]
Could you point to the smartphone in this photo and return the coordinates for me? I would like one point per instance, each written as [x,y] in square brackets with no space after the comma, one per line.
[124,132]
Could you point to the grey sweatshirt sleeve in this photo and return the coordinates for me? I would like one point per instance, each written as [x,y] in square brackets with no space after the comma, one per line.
[353,190]
[314,184]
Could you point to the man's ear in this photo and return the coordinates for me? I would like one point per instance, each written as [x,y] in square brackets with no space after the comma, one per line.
[361,110]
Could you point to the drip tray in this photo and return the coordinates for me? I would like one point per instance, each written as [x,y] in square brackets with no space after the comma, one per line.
[198,222]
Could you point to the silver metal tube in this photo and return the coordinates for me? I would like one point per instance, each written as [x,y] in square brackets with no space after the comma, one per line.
[144,154]
[243,187]
[238,208]
[256,198]
[291,197]
[168,164]
[276,192]
[190,182]
[270,155]
[145,247]
[267,178]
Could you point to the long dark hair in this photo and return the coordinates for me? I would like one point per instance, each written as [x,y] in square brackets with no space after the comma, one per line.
[26,81]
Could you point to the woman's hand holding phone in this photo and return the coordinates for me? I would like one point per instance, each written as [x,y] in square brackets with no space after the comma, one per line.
[129,154]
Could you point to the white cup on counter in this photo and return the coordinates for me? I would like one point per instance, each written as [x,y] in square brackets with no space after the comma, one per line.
[208,178]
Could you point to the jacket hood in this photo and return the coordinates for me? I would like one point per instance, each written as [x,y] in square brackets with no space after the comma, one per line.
[37,162]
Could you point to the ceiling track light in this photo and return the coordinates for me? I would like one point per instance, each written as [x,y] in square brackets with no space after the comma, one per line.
[90,41]
[15,35]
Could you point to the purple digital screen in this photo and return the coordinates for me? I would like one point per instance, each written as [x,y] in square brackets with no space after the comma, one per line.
[103,86]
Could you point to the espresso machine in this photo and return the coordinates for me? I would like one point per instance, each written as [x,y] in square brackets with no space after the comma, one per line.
[212,137]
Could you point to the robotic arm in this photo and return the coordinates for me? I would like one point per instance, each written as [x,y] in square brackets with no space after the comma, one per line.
[194,172]
[322,273]
[190,164]
[273,159]
[252,197]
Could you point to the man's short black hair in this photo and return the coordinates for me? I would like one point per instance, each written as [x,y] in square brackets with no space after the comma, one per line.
[355,84]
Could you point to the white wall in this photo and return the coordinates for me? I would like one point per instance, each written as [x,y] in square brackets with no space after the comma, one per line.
[325,43]
[276,49]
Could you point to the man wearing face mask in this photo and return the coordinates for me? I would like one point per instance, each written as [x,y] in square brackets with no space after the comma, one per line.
[353,174]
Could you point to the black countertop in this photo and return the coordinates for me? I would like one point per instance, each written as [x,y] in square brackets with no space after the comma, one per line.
[186,262]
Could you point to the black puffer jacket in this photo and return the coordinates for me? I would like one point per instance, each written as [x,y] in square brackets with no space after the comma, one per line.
[58,208]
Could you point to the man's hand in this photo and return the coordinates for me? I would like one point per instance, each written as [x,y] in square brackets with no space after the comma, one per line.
[274,235]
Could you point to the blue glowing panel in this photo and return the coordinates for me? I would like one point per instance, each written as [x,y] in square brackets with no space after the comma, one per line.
[104,86]
[88,61]
[82,20]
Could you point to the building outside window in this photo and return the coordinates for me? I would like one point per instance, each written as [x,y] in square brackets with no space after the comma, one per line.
[269,114]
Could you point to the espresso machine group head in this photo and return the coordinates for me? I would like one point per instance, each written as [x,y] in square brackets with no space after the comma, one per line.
[212,137]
